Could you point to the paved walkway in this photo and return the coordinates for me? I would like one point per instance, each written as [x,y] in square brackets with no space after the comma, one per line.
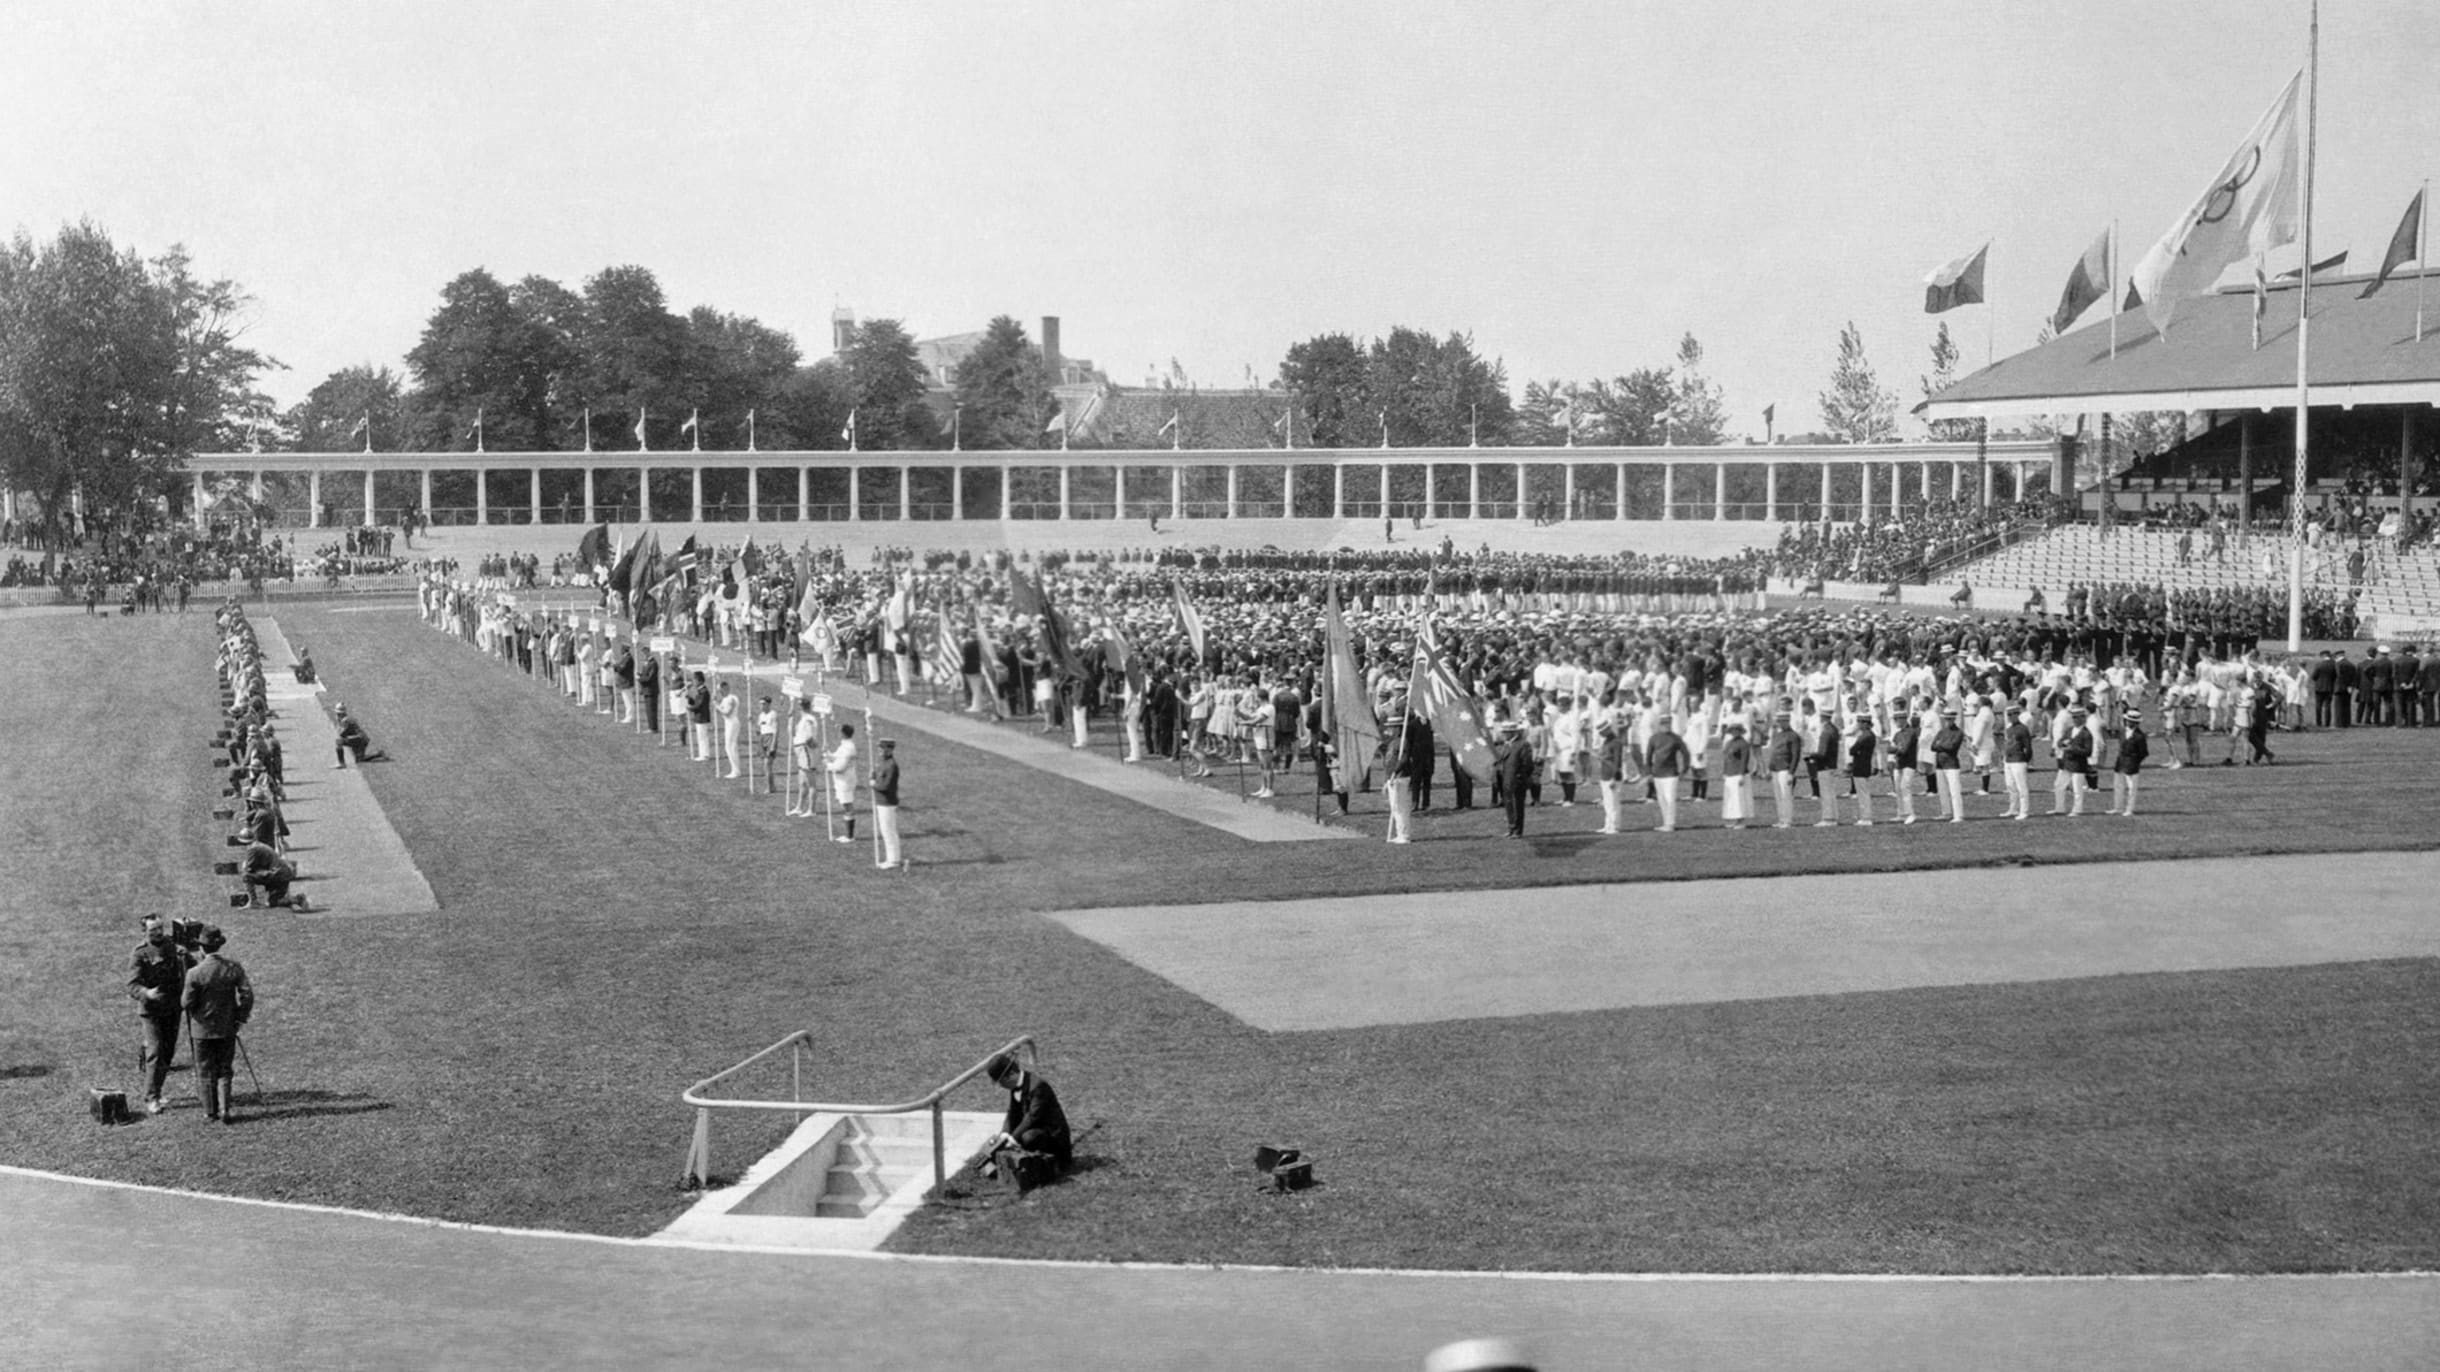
[90,1269]
[1411,959]
[350,861]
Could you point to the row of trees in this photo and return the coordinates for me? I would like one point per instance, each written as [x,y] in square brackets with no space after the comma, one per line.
[114,368]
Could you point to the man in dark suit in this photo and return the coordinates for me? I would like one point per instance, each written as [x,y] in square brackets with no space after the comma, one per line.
[1033,1144]
[2377,679]
[2407,683]
[2325,687]
[217,999]
[2342,701]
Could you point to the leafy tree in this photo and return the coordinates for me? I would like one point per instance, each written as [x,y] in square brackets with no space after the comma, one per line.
[1328,383]
[1627,410]
[809,409]
[465,363]
[1542,420]
[1437,392]
[1004,390]
[634,351]
[735,364]
[885,383]
[113,370]
[547,397]
[1856,409]
[325,421]
[1943,376]
[1697,416]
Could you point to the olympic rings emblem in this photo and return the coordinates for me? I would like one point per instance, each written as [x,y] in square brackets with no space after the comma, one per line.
[2223,198]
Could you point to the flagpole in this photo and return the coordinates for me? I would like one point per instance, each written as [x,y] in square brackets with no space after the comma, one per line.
[2423,260]
[2112,299]
[2304,321]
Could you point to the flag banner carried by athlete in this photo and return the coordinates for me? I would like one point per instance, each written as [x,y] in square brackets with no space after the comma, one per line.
[1956,283]
[2254,204]
[947,662]
[752,557]
[1190,619]
[1347,712]
[2404,245]
[593,550]
[2087,282]
[1435,693]
[643,598]
[1025,597]
[900,611]
[1124,659]
[991,650]
[622,574]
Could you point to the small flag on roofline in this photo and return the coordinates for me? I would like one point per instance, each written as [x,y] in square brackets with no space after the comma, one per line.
[2403,245]
[2087,282]
[1956,283]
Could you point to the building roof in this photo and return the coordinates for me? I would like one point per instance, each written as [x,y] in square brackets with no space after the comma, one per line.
[2363,353]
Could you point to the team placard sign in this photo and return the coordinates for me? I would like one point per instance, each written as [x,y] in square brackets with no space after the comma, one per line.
[821,703]
[663,643]
[792,687]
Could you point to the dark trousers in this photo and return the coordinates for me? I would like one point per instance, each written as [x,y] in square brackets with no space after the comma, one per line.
[1515,805]
[2342,709]
[2321,708]
[1462,783]
[160,1048]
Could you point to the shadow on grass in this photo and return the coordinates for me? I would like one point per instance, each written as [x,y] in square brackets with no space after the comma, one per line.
[26,1071]
[279,1105]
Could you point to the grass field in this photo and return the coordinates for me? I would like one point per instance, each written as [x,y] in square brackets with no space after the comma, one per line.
[615,925]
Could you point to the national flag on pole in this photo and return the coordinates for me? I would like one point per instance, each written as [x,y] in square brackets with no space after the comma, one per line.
[2331,263]
[363,423]
[684,564]
[751,558]
[2087,282]
[645,576]
[2404,245]
[475,430]
[1956,283]
[693,424]
[640,445]
[1435,692]
[901,609]
[2253,204]
[1347,712]
[848,434]
[1190,619]
[1058,424]
[1123,658]
[1026,598]
[2262,299]
[1170,427]
[990,649]
[947,662]
[1770,414]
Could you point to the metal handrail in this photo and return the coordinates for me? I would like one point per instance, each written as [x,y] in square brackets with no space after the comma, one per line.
[699,1152]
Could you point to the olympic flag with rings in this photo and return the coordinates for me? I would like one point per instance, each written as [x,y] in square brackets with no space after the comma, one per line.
[2254,204]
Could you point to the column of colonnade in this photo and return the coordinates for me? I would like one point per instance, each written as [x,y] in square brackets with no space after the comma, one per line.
[1878,491]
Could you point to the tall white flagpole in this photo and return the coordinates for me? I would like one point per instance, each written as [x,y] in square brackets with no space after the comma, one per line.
[2304,320]
[2109,257]
[2423,256]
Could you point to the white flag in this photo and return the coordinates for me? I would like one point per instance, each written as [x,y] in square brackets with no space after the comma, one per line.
[2254,204]
[848,434]
[361,421]
[689,426]
[639,429]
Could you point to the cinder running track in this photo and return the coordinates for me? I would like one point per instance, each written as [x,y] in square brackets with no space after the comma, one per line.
[108,1276]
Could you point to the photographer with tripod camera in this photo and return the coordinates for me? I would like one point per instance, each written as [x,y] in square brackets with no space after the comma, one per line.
[218,1001]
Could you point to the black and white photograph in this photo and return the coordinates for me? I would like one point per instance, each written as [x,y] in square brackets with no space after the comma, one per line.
[1141,685]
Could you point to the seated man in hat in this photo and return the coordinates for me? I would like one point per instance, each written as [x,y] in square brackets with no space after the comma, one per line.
[1033,1144]
[353,739]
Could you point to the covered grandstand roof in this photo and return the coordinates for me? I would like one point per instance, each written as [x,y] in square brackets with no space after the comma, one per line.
[2364,353]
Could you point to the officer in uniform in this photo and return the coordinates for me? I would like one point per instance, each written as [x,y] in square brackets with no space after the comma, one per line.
[156,986]
[885,803]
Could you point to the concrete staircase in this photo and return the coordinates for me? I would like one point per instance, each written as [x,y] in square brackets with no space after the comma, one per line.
[838,1184]
[877,1154]
[2401,596]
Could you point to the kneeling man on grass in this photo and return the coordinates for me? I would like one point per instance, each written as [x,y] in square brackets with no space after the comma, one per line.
[1033,1145]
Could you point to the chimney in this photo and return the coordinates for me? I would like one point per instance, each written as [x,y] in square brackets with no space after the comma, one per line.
[842,328]
[1050,349]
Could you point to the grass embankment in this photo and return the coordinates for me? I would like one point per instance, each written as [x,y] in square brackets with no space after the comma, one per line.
[616,924]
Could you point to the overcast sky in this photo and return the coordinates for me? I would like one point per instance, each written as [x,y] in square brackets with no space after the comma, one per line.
[1576,184]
